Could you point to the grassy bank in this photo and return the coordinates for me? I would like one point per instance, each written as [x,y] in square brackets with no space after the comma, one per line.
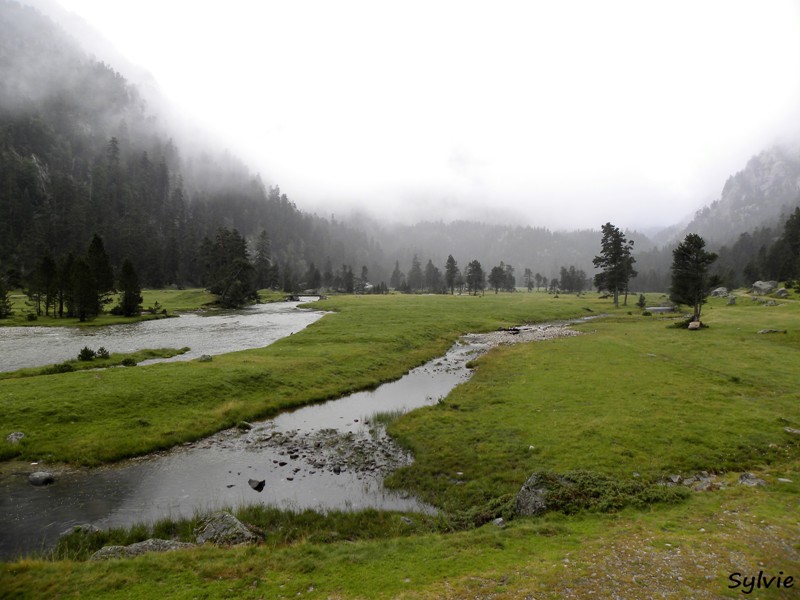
[154,302]
[631,396]
[688,550]
[114,359]
[630,400]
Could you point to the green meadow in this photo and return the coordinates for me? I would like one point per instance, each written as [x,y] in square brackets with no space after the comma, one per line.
[622,407]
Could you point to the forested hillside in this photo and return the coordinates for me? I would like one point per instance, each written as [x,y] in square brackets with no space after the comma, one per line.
[81,154]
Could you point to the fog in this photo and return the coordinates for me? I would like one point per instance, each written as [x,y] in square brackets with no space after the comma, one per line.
[558,114]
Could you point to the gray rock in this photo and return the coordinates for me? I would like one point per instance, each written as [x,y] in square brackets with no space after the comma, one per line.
[532,497]
[720,292]
[15,437]
[782,293]
[771,331]
[751,480]
[499,522]
[731,300]
[205,358]
[256,484]
[695,325]
[764,287]
[41,478]
[223,529]
[151,545]
[406,521]
[791,430]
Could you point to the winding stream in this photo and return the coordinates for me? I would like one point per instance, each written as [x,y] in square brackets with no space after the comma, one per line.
[332,455]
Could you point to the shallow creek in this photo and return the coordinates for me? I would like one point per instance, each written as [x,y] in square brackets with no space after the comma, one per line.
[332,455]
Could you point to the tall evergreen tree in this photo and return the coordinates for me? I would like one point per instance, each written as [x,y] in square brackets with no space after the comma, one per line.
[84,300]
[451,273]
[615,262]
[131,300]
[528,279]
[103,275]
[690,282]
[475,277]
[5,300]
[497,277]
[415,277]
[397,277]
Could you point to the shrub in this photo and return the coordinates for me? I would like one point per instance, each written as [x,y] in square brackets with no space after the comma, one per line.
[32,317]
[102,353]
[64,367]
[128,362]
[86,354]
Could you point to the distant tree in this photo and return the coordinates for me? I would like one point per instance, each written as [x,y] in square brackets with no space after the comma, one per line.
[348,279]
[540,280]
[263,261]
[313,277]
[397,277]
[228,271]
[327,274]
[615,262]
[528,279]
[83,298]
[131,299]
[64,284]
[475,277]
[5,300]
[497,277]
[416,280]
[451,273]
[433,278]
[572,279]
[690,282]
[102,273]
[509,281]
[553,286]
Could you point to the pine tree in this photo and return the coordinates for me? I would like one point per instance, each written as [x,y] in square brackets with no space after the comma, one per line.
[84,301]
[5,300]
[690,263]
[474,277]
[415,277]
[103,275]
[451,273]
[131,300]
[615,262]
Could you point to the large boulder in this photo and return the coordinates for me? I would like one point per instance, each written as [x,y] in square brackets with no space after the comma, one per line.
[532,497]
[223,529]
[151,545]
[764,287]
[720,292]
[782,293]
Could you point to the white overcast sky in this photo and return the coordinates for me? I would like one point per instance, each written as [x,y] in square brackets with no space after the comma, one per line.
[557,113]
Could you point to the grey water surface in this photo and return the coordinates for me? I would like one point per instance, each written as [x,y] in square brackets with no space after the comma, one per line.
[209,332]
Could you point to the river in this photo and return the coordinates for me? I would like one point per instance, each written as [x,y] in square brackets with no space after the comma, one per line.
[207,332]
